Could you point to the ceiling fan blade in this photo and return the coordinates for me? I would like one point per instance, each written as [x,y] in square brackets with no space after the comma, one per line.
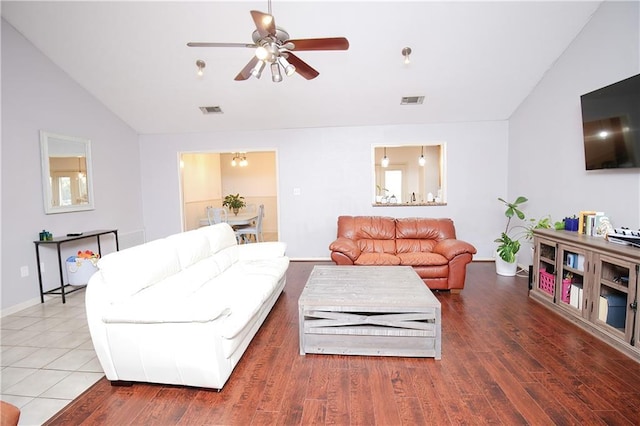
[330,43]
[265,23]
[302,67]
[246,71]
[205,44]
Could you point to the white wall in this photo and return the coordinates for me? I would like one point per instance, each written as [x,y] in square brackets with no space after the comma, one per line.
[541,159]
[546,157]
[537,154]
[38,95]
[332,168]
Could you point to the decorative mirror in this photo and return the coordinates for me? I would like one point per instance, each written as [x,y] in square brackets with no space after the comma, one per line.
[66,173]
[409,175]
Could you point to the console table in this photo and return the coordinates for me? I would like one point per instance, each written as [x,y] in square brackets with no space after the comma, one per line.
[591,282]
[58,242]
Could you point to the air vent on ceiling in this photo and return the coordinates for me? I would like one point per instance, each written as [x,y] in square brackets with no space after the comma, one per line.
[412,100]
[211,110]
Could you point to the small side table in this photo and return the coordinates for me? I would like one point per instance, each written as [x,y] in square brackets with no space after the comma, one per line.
[58,241]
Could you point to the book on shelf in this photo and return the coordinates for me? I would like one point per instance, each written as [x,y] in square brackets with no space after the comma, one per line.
[575,261]
[582,220]
[590,221]
[575,296]
[600,225]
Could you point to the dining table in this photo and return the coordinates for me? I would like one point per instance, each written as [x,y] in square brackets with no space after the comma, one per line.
[243,218]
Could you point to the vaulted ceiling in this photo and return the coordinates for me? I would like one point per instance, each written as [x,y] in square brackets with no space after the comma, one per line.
[472,61]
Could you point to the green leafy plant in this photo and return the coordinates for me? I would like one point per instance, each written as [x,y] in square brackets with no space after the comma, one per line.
[234,202]
[509,241]
[381,189]
[509,246]
[544,223]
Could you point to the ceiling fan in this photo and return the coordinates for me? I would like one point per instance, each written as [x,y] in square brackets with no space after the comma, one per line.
[274,47]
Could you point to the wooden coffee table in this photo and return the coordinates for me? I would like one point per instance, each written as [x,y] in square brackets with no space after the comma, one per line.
[369,310]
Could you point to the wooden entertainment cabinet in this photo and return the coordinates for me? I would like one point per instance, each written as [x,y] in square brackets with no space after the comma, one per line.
[592,282]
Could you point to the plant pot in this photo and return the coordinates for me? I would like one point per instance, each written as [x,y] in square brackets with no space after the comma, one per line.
[505,268]
[236,210]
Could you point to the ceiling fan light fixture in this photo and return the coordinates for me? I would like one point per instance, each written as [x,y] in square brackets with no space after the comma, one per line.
[276,76]
[261,53]
[267,19]
[257,70]
[289,69]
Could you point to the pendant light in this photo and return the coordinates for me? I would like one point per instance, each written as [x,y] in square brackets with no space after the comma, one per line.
[385,159]
[422,161]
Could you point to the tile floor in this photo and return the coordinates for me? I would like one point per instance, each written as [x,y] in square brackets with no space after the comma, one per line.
[47,357]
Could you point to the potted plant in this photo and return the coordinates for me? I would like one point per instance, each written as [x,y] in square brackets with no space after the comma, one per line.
[509,245]
[234,202]
[382,194]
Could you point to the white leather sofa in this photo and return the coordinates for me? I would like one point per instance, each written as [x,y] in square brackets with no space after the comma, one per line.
[182,310]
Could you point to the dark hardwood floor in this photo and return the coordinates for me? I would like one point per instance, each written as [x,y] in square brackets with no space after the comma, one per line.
[505,360]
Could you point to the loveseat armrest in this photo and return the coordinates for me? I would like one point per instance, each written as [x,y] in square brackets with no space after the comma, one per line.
[261,251]
[451,248]
[345,247]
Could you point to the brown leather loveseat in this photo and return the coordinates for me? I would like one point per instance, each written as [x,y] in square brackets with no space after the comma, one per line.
[428,245]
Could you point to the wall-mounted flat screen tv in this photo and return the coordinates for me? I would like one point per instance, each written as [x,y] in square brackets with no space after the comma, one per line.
[611,125]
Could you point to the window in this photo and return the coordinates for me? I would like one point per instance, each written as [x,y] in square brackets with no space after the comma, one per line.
[405,178]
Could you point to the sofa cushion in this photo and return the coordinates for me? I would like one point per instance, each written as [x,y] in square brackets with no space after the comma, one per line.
[412,246]
[366,227]
[425,229]
[422,259]
[220,236]
[244,297]
[225,258]
[377,259]
[376,246]
[131,270]
[191,246]
[169,301]
[264,250]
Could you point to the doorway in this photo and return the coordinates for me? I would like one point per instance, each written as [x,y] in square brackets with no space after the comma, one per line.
[207,177]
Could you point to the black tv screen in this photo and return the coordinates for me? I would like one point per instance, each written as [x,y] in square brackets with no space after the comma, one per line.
[611,125]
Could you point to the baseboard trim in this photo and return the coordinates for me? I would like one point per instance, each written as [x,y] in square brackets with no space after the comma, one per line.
[20,306]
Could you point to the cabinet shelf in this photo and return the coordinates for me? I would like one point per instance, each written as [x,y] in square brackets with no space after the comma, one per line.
[617,286]
[574,271]
[604,290]
[547,260]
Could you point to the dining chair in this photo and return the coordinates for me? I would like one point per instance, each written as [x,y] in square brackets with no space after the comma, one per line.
[245,233]
[216,215]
